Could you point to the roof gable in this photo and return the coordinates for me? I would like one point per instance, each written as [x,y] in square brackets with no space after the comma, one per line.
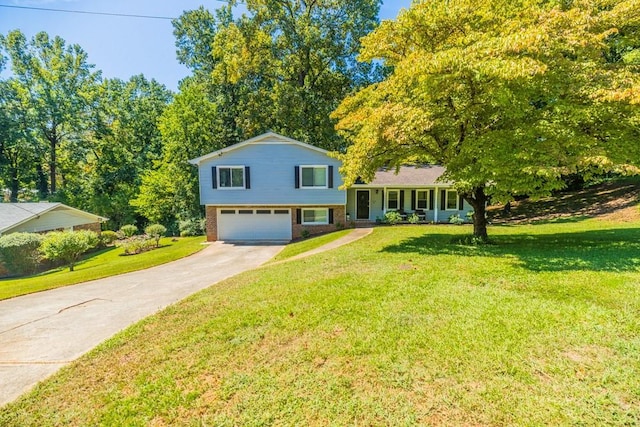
[14,214]
[265,138]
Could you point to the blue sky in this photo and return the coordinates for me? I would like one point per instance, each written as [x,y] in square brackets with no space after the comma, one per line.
[121,46]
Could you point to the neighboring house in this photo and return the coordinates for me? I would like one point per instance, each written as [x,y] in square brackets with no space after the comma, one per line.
[42,217]
[273,188]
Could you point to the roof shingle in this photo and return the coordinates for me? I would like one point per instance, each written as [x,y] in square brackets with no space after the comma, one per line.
[409,176]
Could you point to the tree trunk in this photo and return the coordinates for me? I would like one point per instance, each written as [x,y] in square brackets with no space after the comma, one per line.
[478,200]
[15,185]
[52,166]
[43,187]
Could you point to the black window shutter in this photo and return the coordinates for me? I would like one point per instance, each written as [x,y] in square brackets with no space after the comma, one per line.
[443,202]
[401,204]
[330,216]
[382,199]
[330,179]
[214,180]
[460,203]
[298,215]
[413,200]
[247,178]
[431,195]
[297,178]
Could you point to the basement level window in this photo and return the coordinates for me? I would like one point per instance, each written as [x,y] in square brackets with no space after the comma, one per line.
[315,216]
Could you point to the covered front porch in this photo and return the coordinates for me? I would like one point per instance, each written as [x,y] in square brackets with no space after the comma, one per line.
[429,204]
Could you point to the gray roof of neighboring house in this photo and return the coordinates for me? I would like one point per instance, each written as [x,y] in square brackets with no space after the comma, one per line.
[12,214]
[409,176]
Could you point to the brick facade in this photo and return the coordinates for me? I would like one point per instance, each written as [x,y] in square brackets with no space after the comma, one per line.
[339,220]
[94,226]
[339,217]
[211,227]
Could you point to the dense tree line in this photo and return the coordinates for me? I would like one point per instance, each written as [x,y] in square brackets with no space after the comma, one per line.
[510,96]
[283,66]
[67,134]
[120,148]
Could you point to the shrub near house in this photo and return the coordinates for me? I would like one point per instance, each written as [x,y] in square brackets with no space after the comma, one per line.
[156,231]
[19,252]
[68,246]
[136,244]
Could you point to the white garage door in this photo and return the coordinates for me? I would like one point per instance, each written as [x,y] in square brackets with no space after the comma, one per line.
[254,224]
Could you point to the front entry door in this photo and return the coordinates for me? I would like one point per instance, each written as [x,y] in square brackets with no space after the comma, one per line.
[362,197]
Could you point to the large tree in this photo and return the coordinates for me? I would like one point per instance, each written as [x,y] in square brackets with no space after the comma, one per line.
[190,126]
[508,95]
[283,66]
[123,144]
[58,84]
[17,147]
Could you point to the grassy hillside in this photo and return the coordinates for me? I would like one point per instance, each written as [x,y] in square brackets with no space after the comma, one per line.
[615,199]
[399,328]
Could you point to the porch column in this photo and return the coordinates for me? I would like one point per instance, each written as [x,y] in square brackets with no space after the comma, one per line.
[435,205]
[384,200]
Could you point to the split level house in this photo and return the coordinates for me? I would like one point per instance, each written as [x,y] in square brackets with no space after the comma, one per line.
[273,188]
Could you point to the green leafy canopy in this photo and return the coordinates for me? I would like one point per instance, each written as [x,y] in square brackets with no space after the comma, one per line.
[508,95]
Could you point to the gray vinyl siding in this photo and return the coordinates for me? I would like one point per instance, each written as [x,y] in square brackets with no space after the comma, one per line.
[272,167]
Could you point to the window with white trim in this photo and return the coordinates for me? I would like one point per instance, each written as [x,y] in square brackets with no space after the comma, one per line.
[231,177]
[393,199]
[451,203]
[422,199]
[315,216]
[313,176]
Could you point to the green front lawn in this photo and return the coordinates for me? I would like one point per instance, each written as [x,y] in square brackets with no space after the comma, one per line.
[401,327]
[307,245]
[104,263]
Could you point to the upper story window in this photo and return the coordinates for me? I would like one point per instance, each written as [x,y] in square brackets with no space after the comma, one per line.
[314,176]
[231,177]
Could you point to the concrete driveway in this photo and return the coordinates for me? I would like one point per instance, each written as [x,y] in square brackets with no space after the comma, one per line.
[41,332]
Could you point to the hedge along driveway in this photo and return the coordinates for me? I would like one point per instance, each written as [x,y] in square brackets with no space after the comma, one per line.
[41,332]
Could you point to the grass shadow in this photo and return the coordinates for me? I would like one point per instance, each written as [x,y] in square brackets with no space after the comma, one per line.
[612,250]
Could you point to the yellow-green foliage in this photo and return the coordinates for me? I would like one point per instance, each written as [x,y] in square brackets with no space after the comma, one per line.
[507,95]
[155,231]
[68,246]
[129,230]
